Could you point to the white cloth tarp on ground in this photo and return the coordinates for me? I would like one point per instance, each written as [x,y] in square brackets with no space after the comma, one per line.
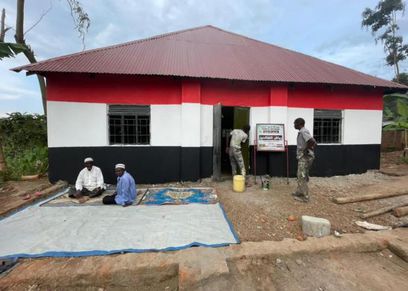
[98,230]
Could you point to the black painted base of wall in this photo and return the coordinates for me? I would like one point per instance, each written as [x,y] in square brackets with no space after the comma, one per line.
[168,164]
[146,164]
[330,160]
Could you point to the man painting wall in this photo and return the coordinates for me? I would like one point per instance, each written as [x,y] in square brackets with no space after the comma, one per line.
[237,136]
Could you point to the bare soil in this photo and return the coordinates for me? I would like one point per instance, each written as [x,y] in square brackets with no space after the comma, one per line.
[353,262]
[316,272]
[256,215]
[16,194]
[392,163]
[259,215]
[263,215]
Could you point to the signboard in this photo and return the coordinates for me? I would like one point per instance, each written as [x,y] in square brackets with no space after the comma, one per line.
[270,137]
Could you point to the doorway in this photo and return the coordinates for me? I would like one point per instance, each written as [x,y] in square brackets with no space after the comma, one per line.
[233,118]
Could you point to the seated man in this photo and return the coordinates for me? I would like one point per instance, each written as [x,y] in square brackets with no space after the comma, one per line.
[89,182]
[125,192]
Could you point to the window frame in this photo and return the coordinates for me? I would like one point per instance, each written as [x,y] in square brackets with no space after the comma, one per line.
[122,111]
[329,114]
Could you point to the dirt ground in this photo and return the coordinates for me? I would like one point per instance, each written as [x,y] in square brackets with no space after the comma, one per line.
[16,194]
[393,164]
[304,272]
[259,215]
[353,262]
[260,218]
[263,215]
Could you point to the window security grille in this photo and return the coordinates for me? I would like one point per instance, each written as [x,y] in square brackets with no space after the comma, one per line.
[129,124]
[327,126]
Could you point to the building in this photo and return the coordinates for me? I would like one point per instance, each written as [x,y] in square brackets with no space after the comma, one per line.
[163,106]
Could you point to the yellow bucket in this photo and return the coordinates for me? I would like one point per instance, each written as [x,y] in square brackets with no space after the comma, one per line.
[238,184]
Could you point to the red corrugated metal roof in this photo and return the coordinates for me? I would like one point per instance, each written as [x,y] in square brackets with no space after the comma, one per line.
[207,52]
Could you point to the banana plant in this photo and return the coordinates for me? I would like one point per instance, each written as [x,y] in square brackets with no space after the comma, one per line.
[399,116]
[8,50]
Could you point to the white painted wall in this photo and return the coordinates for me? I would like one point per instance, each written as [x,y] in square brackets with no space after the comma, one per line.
[190,125]
[279,114]
[187,124]
[206,137]
[362,126]
[75,124]
[72,124]
[257,115]
[165,125]
[293,113]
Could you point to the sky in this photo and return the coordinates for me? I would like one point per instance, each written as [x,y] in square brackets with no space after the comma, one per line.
[327,29]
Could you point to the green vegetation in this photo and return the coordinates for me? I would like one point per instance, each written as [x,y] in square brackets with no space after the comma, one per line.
[396,110]
[383,23]
[402,78]
[24,140]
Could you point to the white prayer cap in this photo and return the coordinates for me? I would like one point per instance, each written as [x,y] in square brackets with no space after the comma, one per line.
[120,166]
[88,160]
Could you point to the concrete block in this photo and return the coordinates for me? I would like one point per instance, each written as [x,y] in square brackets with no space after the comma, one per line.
[315,226]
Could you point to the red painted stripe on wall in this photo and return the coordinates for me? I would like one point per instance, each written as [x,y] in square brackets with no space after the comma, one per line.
[190,91]
[234,93]
[279,96]
[113,89]
[336,98]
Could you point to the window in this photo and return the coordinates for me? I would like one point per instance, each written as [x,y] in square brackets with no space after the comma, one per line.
[129,124]
[327,126]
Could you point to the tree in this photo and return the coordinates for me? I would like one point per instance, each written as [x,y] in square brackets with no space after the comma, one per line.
[8,49]
[383,21]
[81,21]
[402,79]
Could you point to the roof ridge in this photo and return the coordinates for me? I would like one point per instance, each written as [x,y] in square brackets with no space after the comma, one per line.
[19,68]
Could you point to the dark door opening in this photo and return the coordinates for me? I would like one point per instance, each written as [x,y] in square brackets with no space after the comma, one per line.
[233,118]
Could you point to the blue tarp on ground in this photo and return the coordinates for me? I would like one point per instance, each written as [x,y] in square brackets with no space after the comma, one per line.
[68,231]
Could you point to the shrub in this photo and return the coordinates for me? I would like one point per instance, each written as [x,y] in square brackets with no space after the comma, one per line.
[27,162]
[24,139]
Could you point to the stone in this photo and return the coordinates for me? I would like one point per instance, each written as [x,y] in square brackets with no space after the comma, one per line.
[291,218]
[315,226]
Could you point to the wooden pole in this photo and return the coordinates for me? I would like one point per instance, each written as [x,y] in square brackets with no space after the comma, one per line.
[383,210]
[351,199]
[3,28]
[287,161]
[57,186]
[400,211]
[255,152]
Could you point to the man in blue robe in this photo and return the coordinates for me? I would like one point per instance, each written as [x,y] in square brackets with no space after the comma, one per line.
[125,189]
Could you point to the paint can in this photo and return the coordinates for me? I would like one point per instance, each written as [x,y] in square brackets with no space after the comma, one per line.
[238,184]
[266,182]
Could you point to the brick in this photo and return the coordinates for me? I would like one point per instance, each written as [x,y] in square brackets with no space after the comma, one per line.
[315,226]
